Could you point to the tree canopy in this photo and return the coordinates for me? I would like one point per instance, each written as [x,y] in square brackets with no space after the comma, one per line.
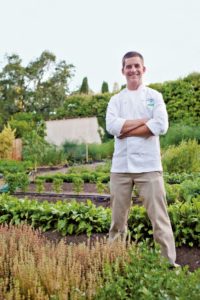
[39,87]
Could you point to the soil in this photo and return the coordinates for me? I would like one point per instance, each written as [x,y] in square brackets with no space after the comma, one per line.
[189,256]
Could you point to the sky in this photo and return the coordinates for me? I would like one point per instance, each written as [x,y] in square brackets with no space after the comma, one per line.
[93,35]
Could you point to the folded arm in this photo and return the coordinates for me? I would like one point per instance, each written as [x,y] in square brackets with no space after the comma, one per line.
[120,127]
[135,128]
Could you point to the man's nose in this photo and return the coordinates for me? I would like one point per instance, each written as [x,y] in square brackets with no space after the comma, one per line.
[133,69]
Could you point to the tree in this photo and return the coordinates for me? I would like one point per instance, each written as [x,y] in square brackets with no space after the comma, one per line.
[84,89]
[39,87]
[34,148]
[12,87]
[104,87]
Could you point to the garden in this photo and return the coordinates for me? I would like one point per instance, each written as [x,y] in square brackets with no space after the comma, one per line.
[54,225]
[55,206]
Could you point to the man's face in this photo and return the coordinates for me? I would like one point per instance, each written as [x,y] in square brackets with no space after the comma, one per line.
[133,70]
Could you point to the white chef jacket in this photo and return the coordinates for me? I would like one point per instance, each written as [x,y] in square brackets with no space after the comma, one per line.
[137,154]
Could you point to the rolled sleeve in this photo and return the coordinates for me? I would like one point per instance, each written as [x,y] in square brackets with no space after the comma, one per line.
[114,122]
[159,124]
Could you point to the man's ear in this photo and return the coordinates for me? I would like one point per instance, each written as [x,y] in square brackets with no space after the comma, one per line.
[144,69]
[122,71]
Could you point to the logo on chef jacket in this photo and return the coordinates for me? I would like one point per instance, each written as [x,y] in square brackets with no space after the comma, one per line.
[150,103]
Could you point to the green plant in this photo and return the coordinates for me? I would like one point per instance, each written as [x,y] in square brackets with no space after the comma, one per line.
[7,137]
[172,192]
[179,132]
[17,180]
[190,189]
[57,185]
[146,276]
[65,217]
[182,158]
[34,268]
[74,217]
[100,187]
[173,178]
[14,166]
[104,87]
[39,185]
[77,184]
[84,89]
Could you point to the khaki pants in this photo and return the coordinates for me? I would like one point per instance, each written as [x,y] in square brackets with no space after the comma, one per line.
[151,189]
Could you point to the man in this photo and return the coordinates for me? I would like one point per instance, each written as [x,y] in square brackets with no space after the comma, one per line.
[136,116]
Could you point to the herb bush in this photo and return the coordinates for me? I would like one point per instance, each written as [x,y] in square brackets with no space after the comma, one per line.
[182,158]
[179,132]
[147,276]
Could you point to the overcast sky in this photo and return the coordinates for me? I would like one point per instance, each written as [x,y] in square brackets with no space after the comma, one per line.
[93,35]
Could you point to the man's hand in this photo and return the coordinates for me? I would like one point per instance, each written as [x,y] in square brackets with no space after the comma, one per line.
[132,124]
[135,128]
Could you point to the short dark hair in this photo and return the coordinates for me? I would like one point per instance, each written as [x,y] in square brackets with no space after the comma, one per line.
[131,54]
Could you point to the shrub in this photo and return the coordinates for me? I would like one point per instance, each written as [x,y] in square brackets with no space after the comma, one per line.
[172,192]
[180,177]
[39,185]
[7,137]
[146,276]
[17,180]
[190,189]
[33,268]
[53,156]
[182,158]
[57,185]
[77,184]
[179,132]
[100,186]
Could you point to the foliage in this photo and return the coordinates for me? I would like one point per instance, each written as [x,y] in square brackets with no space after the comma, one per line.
[17,180]
[104,87]
[53,155]
[96,152]
[86,176]
[75,218]
[39,87]
[172,192]
[39,185]
[7,137]
[36,269]
[182,158]
[74,152]
[185,222]
[84,89]
[178,132]
[57,185]
[77,184]
[34,147]
[182,98]
[67,218]
[24,122]
[33,268]
[189,189]
[146,276]
[100,186]
[13,166]
[103,151]
[173,178]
